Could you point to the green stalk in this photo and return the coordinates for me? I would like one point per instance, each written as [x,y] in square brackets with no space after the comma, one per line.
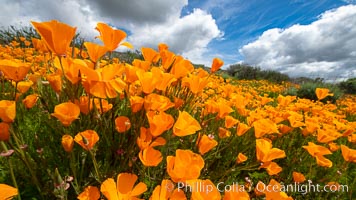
[11,171]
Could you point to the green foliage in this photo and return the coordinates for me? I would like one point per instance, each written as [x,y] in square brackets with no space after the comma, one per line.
[307,91]
[348,86]
[246,72]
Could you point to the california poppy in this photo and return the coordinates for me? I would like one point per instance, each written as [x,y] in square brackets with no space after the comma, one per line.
[4,131]
[186,165]
[30,100]
[236,193]
[205,144]
[123,188]
[241,158]
[7,111]
[7,192]
[185,125]
[84,104]
[67,143]
[195,83]
[87,139]
[272,168]
[111,38]
[102,105]
[166,191]
[200,194]
[150,157]
[56,35]
[24,86]
[318,152]
[321,93]
[159,122]
[264,126]
[122,124]
[224,133]
[265,152]
[157,102]
[217,63]
[95,51]
[276,192]
[55,80]
[66,113]
[89,193]
[150,55]
[348,154]
[149,80]
[230,121]
[242,128]
[298,177]
[181,67]
[14,69]
[146,139]
[136,103]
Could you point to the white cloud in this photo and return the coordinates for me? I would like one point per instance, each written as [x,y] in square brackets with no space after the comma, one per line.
[149,22]
[325,47]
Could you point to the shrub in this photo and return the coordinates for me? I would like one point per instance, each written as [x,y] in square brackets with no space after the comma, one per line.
[348,86]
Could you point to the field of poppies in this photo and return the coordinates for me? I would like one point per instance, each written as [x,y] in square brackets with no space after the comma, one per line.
[76,122]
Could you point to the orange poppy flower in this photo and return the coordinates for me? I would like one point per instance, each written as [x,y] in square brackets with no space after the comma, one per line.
[230,121]
[328,135]
[236,193]
[67,143]
[150,157]
[89,193]
[130,72]
[209,190]
[186,165]
[123,188]
[4,131]
[276,191]
[14,69]
[66,113]
[265,152]
[56,35]
[95,51]
[24,86]
[185,125]
[149,80]
[159,122]
[181,67]
[166,79]
[264,126]
[150,55]
[321,93]
[87,139]
[296,120]
[146,139]
[166,191]
[348,154]
[136,103]
[272,168]
[205,144]
[195,83]
[242,128]
[39,44]
[55,80]
[83,104]
[298,177]
[241,158]
[217,63]
[318,152]
[110,37]
[30,100]
[141,64]
[224,133]
[102,105]
[7,192]
[7,111]
[122,124]
[167,58]
[157,102]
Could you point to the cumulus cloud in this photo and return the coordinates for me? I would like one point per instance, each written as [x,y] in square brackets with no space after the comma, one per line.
[148,22]
[324,48]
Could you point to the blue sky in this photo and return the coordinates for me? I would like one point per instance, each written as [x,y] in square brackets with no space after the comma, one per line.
[314,38]
[244,21]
